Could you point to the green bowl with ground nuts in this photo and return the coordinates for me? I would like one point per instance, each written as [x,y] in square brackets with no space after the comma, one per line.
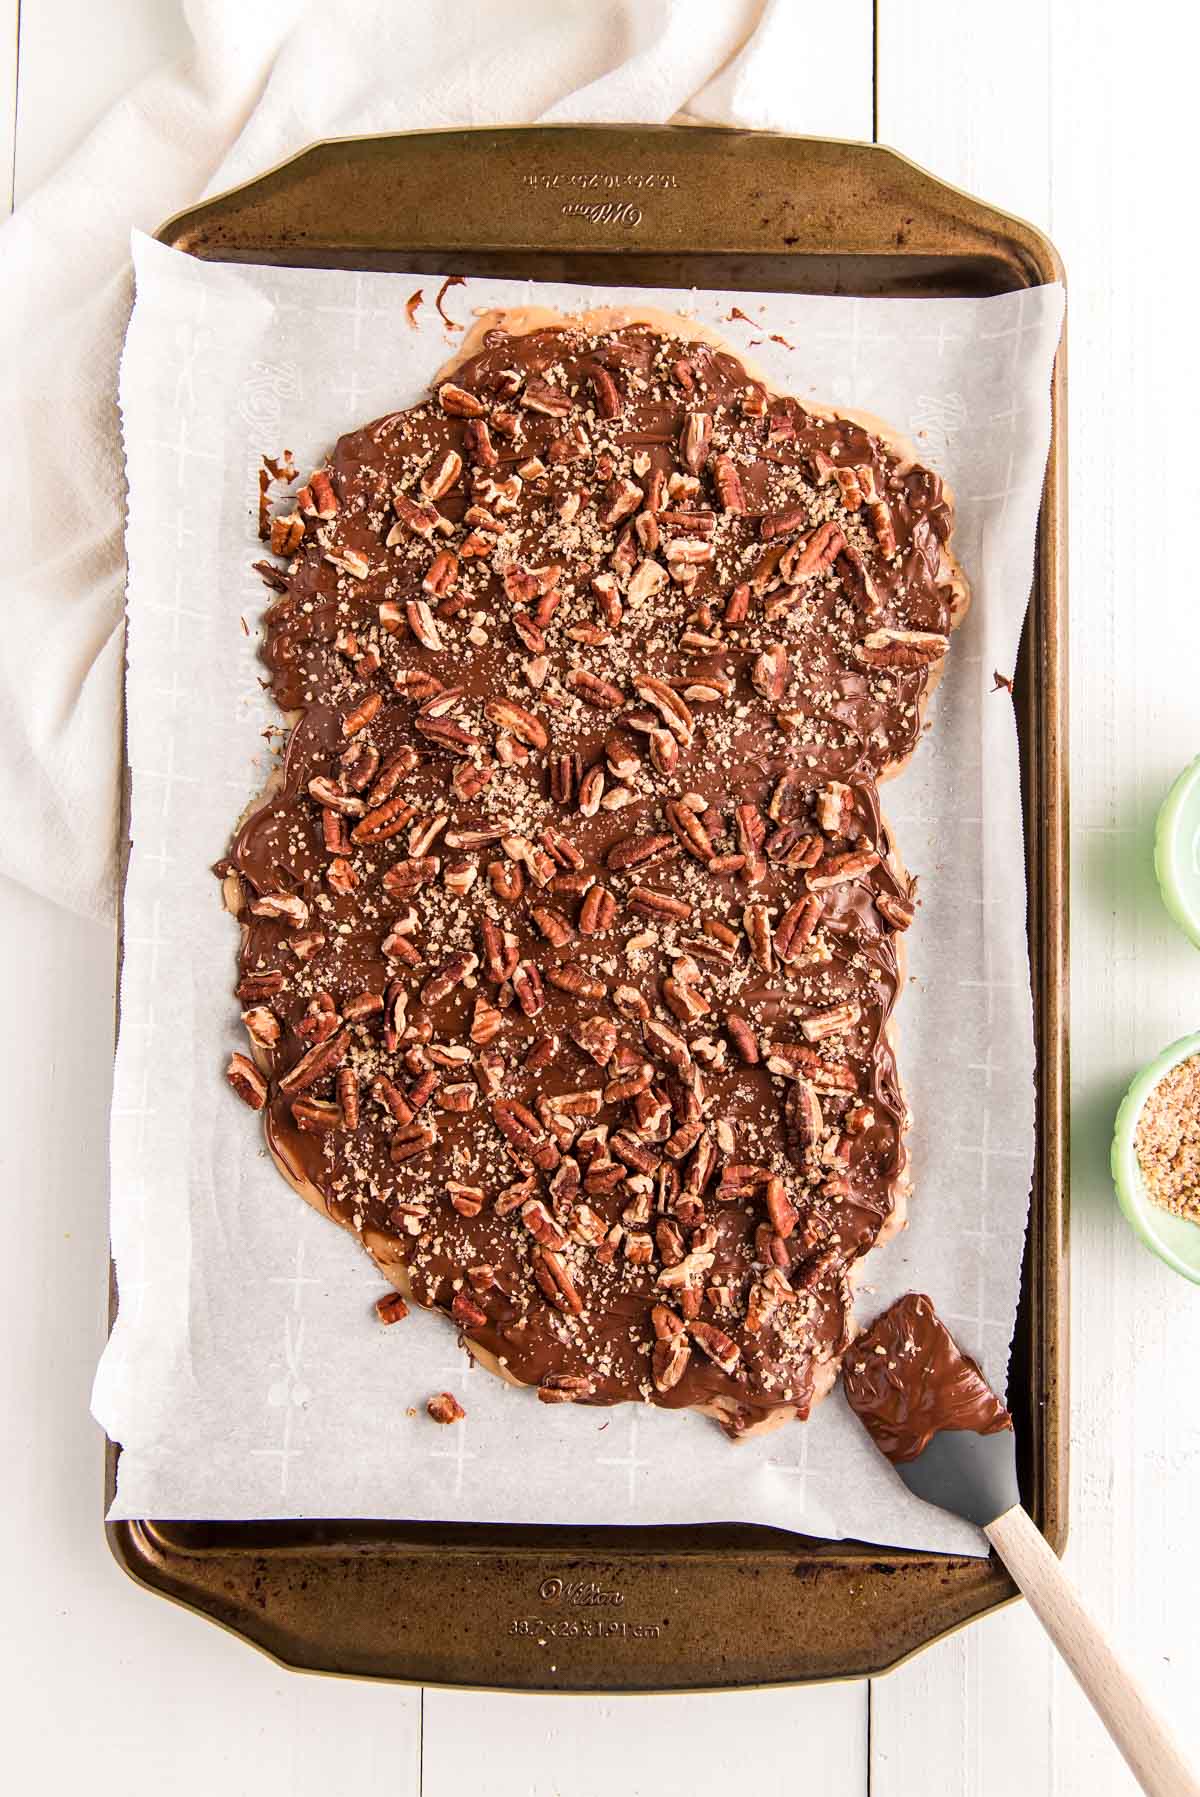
[1177,851]
[1175,1239]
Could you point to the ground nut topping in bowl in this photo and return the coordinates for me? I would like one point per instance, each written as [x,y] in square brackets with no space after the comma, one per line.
[1168,1140]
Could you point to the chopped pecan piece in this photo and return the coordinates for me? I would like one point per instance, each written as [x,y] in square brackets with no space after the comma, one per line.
[796,928]
[554,1280]
[689,830]
[477,442]
[694,440]
[540,396]
[541,1225]
[286,907]
[902,648]
[684,1000]
[322,500]
[757,921]
[621,498]
[449,975]
[286,534]
[552,925]
[664,751]
[520,723]
[322,1059]
[830,1022]
[608,397]
[780,1209]
[737,606]
[506,880]
[382,823]
[838,870]
[649,902]
[769,671]
[348,1097]
[247,1081]
[597,1036]
[728,483]
[405,878]
[835,809]
[668,1361]
[262,1025]
[456,402]
[597,911]
[648,577]
[444,1407]
[743,1039]
[812,555]
[316,1116]
[466,1312]
[794,1061]
[719,1348]
[565,1388]
[598,692]
[669,705]
[441,576]
[444,733]
[527,984]
[880,514]
[637,851]
[572,979]
[390,775]
[437,482]
[420,520]
[899,911]
[254,986]
[362,1005]
[409,1141]
[665,1045]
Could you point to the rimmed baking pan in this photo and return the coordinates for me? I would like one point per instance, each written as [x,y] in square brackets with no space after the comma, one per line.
[658,1609]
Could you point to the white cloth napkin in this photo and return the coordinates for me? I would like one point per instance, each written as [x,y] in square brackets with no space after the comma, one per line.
[260,82]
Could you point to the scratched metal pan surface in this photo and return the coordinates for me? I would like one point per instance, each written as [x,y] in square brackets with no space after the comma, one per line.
[661,1609]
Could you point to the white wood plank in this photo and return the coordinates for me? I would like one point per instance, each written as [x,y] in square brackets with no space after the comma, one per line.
[947,1718]
[975,59]
[768,1741]
[1038,109]
[1135,377]
[77,58]
[113,1689]
[965,91]
[9,10]
[774,1743]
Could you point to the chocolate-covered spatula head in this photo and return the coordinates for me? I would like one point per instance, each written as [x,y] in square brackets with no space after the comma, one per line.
[928,1408]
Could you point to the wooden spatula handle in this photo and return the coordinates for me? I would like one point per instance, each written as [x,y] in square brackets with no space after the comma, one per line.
[1148,1746]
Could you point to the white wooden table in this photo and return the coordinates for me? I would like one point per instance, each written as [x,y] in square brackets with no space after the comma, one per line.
[1080,117]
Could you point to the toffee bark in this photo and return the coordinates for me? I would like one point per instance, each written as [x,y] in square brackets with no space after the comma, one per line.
[570,925]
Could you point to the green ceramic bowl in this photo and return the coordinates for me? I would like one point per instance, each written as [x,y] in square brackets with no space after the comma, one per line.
[1173,1239]
[1177,851]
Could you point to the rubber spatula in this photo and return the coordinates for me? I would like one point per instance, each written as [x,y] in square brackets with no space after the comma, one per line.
[928,1408]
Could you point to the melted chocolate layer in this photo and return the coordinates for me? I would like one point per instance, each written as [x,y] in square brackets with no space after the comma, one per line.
[906,1380]
[569,933]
